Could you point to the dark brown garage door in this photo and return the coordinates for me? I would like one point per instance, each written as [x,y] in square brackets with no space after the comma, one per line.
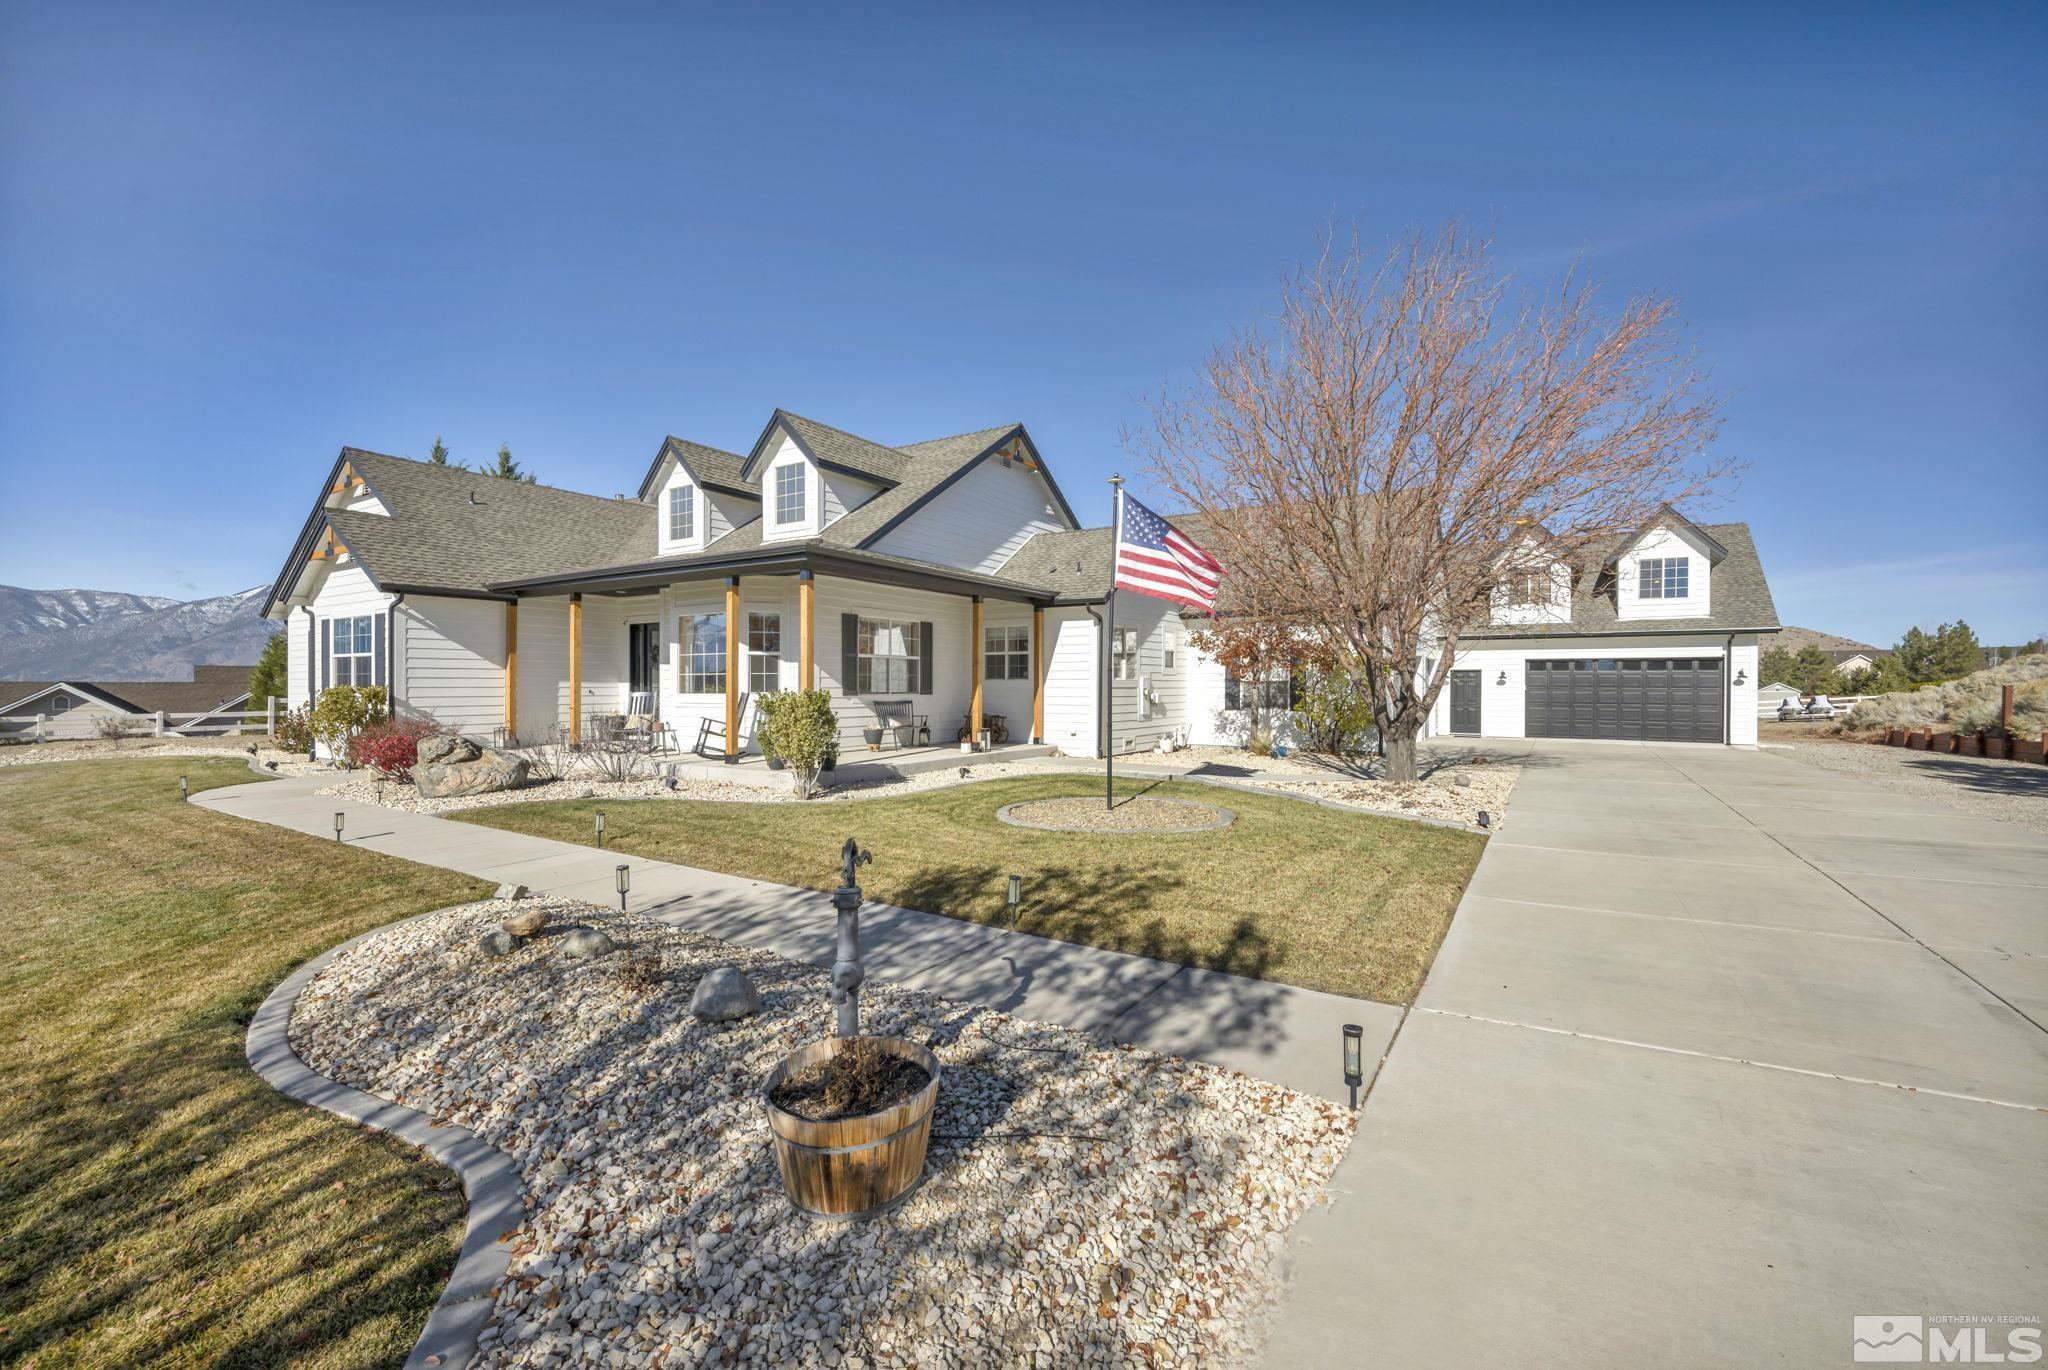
[1662,699]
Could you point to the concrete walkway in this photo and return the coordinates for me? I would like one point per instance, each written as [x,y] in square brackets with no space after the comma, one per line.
[1276,1032]
[1720,1051]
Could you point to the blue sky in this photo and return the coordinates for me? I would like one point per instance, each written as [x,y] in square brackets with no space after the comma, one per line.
[233,239]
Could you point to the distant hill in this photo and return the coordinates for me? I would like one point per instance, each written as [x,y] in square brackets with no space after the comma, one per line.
[1838,648]
[108,635]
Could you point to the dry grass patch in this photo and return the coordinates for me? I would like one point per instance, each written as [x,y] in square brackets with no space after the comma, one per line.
[159,1204]
[1291,892]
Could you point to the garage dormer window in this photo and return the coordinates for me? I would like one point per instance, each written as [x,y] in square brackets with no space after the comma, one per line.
[682,513]
[789,493]
[1528,588]
[1663,577]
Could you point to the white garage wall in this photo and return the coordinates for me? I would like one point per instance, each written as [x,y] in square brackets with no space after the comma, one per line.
[1501,705]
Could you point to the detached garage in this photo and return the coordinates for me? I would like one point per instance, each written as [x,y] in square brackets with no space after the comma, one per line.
[1656,699]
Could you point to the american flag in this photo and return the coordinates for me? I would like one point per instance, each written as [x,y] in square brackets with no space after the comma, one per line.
[1155,558]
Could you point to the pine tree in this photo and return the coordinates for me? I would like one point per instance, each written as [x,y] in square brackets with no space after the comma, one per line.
[1956,650]
[439,456]
[267,680]
[507,467]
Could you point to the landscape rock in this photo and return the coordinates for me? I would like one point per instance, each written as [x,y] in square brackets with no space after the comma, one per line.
[526,922]
[510,892]
[584,943]
[723,995]
[450,766]
[497,942]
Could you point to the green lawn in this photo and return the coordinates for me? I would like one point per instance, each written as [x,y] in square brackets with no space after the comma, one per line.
[159,1204]
[1292,892]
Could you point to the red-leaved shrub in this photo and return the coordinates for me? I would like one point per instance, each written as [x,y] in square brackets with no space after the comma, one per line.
[391,746]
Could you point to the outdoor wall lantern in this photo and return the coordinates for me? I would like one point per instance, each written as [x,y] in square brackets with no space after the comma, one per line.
[184,790]
[1740,675]
[622,875]
[339,816]
[600,829]
[1016,898]
[1503,679]
[1354,1059]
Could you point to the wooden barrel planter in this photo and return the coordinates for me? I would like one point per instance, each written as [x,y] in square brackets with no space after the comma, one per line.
[852,1167]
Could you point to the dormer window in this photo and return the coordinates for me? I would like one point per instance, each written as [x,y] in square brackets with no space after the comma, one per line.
[682,513]
[1663,577]
[1529,588]
[789,493]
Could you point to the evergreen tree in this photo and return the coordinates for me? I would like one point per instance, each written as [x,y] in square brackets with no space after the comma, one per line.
[267,680]
[1957,651]
[439,456]
[1885,678]
[1915,656]
[507,467]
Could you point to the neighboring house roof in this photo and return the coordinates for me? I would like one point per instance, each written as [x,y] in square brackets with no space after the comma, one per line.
[211,688]
[1838,649]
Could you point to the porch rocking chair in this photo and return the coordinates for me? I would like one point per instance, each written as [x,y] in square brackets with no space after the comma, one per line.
[710,729]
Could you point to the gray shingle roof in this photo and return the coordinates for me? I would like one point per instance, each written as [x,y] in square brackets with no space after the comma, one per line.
[1740,597]
[435,538]
[927,465]
[838,447]
[211,687]
[719,469]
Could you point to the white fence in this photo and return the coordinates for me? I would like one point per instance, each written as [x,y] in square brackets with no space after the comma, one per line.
[1768,708]
[76,724]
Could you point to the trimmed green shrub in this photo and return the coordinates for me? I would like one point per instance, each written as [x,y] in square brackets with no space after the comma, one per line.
[344,711]
[799,728]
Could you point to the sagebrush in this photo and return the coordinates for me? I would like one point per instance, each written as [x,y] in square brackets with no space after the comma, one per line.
[1964,706]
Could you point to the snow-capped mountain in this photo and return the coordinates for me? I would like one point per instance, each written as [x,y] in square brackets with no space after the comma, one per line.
[107,635]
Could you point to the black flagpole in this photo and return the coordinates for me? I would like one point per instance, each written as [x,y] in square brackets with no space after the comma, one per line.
[1116,534]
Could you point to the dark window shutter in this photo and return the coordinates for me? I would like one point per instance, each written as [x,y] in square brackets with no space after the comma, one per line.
[924,658]
[326,654]
[849,653]
[383,626]
[1232,693]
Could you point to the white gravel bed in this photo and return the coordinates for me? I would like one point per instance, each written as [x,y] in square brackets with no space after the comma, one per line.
[1084,1204]
[1294,763]
[364,788]
[2009,791]
[142,748]
[1439,795]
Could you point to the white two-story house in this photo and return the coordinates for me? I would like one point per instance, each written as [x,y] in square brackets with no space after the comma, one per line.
[943,585]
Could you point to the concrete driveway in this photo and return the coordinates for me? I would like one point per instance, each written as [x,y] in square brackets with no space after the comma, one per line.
[1721,1051]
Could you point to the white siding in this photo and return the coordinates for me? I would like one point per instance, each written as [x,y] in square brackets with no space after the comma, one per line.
[946,699]
[1072,680]
[1210,724]
[544,660]
[1557,609]
[452,661]
[789,454]
[1154,704]
[1010,698]
[1664,542]
[344,593]
[979,521]
[298,658]
[724,512]
[843,494]
[677,478]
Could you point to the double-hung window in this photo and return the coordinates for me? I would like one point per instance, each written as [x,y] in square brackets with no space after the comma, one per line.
[354,647]
[703,654]
[789,493]
[1123,655]
[1274,691]
[1006,654]
[886,657]
[1663,577]
[682,513]
[1529,588]
[764,653]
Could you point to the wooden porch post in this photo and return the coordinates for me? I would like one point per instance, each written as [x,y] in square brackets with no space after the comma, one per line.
[1037,675]
[512,669]
[575,670]
[732,670]
[974,675]
[807,630]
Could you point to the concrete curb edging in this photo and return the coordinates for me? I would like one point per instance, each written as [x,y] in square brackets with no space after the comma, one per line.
[490,1179]
[1221,818]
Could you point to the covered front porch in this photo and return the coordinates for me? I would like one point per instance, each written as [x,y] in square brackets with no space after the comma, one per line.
[913,658]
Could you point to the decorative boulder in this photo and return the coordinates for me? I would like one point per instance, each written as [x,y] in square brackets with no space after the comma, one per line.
[450,767]
[526,922]
[584,943]
[723,995]
[497,942]
[510,892]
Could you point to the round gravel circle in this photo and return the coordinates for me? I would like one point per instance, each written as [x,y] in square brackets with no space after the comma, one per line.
[1142,814]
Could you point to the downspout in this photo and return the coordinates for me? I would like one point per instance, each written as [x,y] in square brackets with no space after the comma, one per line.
[1728,693]
[391,653]
[1102,682]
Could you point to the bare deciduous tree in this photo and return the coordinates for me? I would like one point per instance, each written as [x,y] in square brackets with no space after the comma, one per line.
[1365,462]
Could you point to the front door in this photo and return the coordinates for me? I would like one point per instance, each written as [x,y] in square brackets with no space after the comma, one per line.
[643,661]
[1465,703]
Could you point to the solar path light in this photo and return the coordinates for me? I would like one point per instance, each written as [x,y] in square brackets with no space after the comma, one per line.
[600,829]
[1354,1063]
[184,789]
[1015,897]
[339,817]
[622,875]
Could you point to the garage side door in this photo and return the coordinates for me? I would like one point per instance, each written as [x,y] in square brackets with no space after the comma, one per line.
[1677,699]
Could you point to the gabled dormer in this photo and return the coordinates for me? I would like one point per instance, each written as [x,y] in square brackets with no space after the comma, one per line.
[1532,582]
[1666,570]
[810,475]
[697,496]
